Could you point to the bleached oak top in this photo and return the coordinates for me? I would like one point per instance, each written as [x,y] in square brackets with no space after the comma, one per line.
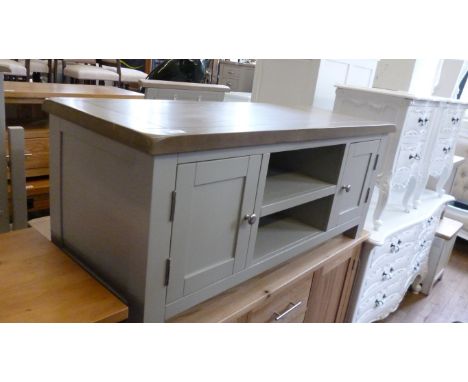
[158,84]
[162,127]
[37,92]
[402,94]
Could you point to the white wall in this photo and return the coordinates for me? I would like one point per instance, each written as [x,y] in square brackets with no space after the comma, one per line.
[306,83]
[285,82]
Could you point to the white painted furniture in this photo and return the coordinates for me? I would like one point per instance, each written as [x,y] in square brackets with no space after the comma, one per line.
[441,250]
[184,200]
[187,91]
[238,76]
[395,258]
[423,146]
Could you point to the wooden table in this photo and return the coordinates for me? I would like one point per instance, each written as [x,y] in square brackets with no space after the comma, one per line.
[23,106]
[37,92]
[40,283]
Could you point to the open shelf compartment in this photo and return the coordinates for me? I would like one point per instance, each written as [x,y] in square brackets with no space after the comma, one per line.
[282,230]
[301,176]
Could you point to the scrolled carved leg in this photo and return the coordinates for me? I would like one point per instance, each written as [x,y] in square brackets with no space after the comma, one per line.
[444,176]
[410,188]
[383,184]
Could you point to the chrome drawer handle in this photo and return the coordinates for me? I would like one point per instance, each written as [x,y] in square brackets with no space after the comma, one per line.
[387,276]
[415,156]
[347,188]
[423,122]
[395,247]
[455,120]
[380,302]
[447,149]
[251,219]
[279,316]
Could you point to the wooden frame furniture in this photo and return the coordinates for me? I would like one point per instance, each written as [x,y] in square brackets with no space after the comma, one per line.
[187,91]
[23,107]
[197,197]
[40,283]
[441,249]
[314,287]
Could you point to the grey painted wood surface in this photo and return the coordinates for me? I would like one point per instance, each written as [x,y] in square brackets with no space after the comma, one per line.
[4,213]
[113,212]
[17,176]
[210,235]
[354,190]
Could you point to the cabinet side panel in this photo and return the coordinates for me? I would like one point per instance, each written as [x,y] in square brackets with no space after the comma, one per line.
[105,204]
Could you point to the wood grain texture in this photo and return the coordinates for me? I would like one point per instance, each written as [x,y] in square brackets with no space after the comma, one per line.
[238,301]
[37,92]
[447,301]
[448,228]
[39,283]
[163,127]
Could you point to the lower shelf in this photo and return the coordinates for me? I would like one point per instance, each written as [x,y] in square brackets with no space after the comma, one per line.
[275,234]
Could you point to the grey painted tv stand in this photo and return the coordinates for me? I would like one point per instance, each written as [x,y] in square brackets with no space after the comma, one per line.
[173,202]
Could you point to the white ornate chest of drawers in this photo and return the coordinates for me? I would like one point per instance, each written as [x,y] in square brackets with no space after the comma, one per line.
[423,146]
[395,259]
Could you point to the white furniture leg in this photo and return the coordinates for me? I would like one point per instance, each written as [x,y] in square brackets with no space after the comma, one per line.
[383,184]
[409,191]
[443,178]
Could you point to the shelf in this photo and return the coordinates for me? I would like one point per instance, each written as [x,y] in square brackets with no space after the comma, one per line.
[281,232]
[288,189]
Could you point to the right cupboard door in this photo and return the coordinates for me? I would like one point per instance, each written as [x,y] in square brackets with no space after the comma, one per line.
[353,191]
[210,234]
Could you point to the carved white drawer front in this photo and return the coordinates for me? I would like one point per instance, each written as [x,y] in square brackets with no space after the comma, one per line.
[381,278]
[450,122]
[408,161]
[417,123]
[441,155]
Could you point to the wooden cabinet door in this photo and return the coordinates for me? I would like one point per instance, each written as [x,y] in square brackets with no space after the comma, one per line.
[210,235]
[331,289]
[353,190]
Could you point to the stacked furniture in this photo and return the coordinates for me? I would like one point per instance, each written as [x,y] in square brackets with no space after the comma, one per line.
[187,91]
[403,216]
[197,197]
[238,76]
[23,108]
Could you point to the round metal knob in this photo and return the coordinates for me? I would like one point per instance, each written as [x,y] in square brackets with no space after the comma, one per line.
[347,187]
[251,219]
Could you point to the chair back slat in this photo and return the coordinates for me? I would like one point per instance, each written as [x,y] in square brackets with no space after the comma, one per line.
[4,214]
[17,176]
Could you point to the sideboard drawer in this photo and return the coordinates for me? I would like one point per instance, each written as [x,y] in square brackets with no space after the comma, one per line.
[289,305]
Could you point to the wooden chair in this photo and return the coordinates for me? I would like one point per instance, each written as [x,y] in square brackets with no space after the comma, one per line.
[87,71]
[126,75]
[14,70]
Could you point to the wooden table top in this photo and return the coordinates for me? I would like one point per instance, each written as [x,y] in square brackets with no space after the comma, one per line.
[162,127]
[37,92]
[39,283]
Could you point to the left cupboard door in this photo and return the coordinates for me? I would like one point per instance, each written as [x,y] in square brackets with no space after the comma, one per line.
[212,221]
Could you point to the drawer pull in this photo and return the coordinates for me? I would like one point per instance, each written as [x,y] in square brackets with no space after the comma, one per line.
[279,316]
[380,302]
[455,120]
[430,220]
[415,156]
[347,188]
[387,276]
[447,149]
[394,248]
[416,267]
[423,122]
[251,219]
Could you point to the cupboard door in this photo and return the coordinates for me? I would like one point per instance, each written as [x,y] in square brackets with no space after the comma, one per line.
[210,234]
[353,190]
